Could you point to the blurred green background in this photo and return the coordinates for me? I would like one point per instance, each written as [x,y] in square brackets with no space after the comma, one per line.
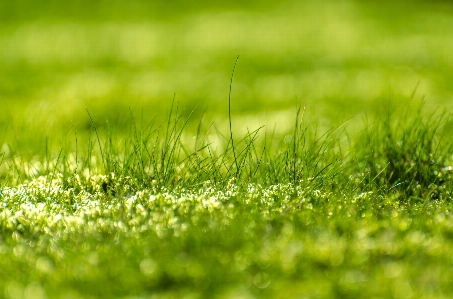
[339,58]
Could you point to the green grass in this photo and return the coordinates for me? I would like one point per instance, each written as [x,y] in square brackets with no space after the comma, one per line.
[150,216]
[132,167]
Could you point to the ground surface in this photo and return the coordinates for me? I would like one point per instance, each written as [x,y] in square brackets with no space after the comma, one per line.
[120,177]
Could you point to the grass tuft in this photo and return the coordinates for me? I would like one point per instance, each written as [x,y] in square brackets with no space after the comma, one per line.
[405,151]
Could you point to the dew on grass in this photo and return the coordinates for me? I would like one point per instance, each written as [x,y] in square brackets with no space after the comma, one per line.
[262,280]
[14,290]
[148,266]
[393,269]
[34,290]
[93,258]
[241,261]
[353,278]
[158,215]
[45,265]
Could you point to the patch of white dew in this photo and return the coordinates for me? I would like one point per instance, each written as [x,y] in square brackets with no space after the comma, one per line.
[62,206]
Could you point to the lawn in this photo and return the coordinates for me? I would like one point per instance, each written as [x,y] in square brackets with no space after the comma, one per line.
[135,164]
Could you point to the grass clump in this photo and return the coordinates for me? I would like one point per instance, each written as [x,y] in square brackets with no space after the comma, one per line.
[406,151]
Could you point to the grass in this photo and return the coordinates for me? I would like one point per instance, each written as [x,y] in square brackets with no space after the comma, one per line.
[254,186]
[150,216]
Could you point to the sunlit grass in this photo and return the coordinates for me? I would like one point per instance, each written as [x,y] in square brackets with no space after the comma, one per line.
[151,215]
[120,176]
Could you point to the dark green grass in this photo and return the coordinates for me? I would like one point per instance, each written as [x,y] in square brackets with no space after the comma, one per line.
[406,151]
